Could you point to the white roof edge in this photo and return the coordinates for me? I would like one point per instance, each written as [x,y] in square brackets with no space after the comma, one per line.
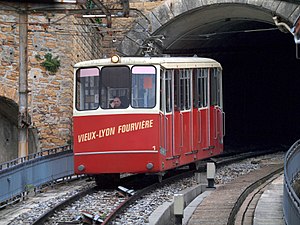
[167,62]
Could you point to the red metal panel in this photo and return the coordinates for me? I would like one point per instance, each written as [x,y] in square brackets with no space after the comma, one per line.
[120,143]
[186,138]
[117,163]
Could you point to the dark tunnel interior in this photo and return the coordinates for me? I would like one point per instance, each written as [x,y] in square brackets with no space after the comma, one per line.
[261,89]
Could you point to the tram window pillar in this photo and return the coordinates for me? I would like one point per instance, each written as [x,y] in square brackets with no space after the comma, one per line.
[161,93]
[177,94]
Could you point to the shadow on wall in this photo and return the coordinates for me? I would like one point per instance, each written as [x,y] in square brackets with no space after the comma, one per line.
[9,131]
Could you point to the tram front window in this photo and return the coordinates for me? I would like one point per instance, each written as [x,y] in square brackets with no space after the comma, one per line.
[143,87]
[114,87]
[87,89]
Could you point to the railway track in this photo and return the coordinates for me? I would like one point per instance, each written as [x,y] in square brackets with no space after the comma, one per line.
[245,211]
[128,199]
[122,198]
[235,202]
[112,213]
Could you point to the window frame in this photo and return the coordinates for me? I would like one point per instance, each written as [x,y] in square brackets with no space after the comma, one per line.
[153,84]
[200,76]
[106,96]
[82,88]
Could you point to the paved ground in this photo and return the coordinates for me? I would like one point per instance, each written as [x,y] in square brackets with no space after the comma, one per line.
[216,208]
[269,209]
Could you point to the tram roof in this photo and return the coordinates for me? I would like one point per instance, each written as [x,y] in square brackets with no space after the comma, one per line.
[167,62]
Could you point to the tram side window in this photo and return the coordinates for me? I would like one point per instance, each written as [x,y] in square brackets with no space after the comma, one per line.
[182,89]
[215,87]
[143,87]
[87,88]
[200,87]
[168,91]
[115,82]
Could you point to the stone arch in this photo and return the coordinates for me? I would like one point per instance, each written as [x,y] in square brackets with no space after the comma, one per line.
[8,92]
[173,13]
[8,129]
[9,110]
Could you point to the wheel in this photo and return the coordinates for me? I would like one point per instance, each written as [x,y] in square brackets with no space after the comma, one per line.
[107,181]
[192,166]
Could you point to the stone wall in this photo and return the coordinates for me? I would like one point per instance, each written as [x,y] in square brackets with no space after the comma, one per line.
[50,94]
[71,39]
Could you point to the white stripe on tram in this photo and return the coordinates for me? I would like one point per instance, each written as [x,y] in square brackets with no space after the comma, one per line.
[115,152]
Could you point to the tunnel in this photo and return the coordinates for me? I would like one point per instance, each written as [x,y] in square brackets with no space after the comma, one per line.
[261,79]
[261,82]
[260,91]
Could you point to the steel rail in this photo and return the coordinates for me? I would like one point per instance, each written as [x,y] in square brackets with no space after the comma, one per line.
[139,194]
[217,160]
[255,196]
[41,220]
[250,189]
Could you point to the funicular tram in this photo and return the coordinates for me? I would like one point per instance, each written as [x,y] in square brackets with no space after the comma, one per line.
[170,114]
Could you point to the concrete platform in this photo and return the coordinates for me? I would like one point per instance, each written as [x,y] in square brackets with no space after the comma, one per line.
[219,206]
[213,206]
[269,208]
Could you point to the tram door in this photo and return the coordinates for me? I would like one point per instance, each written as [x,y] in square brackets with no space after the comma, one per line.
[201,113]
[216,111]
[182,111]
[166,116]
[177,119]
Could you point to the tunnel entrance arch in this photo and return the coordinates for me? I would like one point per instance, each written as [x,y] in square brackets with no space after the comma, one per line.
[177,27]
[260,73]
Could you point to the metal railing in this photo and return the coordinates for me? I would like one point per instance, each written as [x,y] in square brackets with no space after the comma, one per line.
[17,161]
[19,176]
[291,202]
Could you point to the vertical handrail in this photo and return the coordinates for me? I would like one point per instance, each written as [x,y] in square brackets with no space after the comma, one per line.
[181,130]
[215,115]
[223,123]
[199,127]
[162,132]
[166,132]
